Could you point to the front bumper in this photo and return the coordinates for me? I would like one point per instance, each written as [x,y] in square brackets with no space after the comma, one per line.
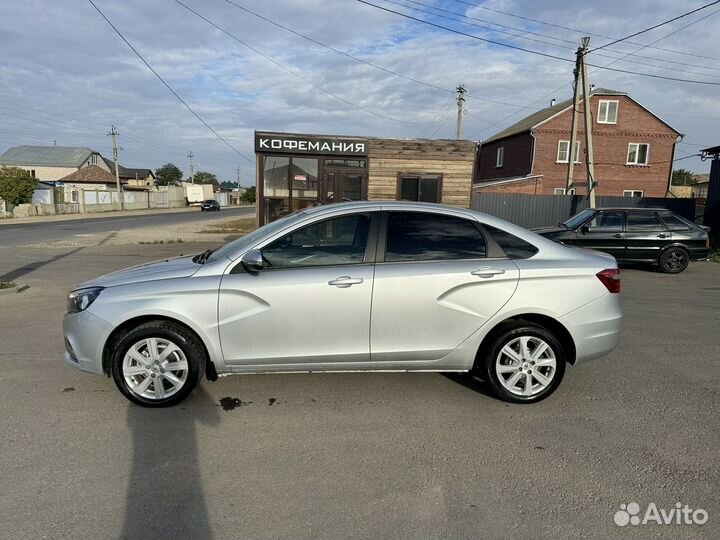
[85,335]
[595,327]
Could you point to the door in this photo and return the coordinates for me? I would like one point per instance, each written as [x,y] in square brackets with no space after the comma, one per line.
[604,232]
[646,236]
[434,288]
[310,304]
[344,185]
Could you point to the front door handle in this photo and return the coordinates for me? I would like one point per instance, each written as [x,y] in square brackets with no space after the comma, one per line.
[345,281]
[487,272]
[617,235]
[662,235]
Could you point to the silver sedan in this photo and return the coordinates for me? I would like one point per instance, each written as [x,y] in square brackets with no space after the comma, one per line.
[364,286]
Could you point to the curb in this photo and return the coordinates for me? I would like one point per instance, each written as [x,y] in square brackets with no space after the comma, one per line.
[14,290]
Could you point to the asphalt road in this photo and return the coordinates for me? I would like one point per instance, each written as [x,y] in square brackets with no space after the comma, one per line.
[46,231]
[359,456]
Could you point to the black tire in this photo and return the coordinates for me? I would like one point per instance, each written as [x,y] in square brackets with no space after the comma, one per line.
[187,343]
[507,335]
[674,260]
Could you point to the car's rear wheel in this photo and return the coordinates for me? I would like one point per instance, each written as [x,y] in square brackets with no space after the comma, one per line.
[674,260]
[524,363]
[157,364]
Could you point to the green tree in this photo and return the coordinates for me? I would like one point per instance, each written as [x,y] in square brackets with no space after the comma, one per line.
[204,177]
[683,177]
[248,196]
[16,185]
[168,175]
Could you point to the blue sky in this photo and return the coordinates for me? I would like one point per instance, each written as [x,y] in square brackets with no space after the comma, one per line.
[67,77]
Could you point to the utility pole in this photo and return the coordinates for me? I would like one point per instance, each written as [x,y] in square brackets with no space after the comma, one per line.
[592,183]
[192,166]
[238,185]
[573,129]
[113,133]
[461,109]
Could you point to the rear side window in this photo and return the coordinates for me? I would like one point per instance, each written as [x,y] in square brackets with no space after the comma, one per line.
[644,221]
[420,236]
[514,247]
[675,223]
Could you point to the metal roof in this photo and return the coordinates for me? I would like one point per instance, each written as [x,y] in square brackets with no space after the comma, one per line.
[47,156]
[529,122]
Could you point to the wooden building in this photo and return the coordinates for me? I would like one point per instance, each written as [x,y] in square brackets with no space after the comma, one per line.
[295,171]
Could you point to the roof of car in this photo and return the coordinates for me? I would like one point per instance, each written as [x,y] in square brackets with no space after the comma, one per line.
[633,208]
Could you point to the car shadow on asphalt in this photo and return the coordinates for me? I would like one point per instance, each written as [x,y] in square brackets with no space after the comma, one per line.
[470,382]
[165,496]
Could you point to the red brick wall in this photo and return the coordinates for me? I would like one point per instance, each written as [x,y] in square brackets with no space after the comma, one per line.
[610,143]
[517,162]
[531,186]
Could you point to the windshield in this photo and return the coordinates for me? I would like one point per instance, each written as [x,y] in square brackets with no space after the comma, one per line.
[579,218]
[252,238]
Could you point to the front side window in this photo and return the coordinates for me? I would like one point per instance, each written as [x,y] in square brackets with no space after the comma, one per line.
[333,242]
[644,221]
[420,236]
[500,157]
[607,221]
[638,154]
[563,151]
[423,188]
[607,112]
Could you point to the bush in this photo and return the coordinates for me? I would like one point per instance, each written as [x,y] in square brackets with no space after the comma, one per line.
[16,185]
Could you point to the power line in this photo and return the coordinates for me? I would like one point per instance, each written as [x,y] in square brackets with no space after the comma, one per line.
[188,107]
[524,32]
[584,32]
[657,25]
[538,53]
[285,68]
[361,60]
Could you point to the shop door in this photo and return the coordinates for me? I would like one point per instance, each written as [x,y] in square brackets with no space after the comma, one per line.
[344,186]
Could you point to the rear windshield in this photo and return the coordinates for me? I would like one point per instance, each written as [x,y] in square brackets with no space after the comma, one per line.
[514,247]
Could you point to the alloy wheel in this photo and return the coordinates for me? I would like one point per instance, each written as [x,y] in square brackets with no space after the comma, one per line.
[155,368]
[526,365]
[676,260]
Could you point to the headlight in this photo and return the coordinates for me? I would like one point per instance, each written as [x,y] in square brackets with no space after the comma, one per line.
[82,298]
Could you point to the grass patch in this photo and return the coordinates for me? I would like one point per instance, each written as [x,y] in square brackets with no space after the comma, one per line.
[171,241]
[233,226]
[715,256]
[7,285]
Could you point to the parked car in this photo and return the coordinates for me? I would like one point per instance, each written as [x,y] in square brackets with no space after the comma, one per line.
[642,235]
[358,286]
[210,205]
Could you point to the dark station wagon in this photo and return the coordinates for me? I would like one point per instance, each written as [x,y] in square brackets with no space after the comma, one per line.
[642,235]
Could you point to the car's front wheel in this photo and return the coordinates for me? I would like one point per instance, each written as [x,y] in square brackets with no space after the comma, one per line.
[157,364]
[674,260]
[524,363]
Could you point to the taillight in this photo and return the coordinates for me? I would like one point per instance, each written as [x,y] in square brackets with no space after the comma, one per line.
[610,277]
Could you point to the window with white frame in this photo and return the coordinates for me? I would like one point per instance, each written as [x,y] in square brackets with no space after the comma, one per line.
[563,191]
[563,150]
[607,111]
[632,193]
[93,159]
[638,154]
[500,157]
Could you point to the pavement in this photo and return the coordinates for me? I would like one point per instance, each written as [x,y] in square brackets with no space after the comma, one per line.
[358,456]
[46,230]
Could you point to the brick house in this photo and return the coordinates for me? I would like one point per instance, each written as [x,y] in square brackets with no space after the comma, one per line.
[633,151]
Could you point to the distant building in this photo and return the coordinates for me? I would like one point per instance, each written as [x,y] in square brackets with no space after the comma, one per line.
[51,163]
[633,151]
[134,177]
[700,190]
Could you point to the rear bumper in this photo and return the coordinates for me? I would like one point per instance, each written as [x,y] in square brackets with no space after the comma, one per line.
[85,335]
[595,327]
[700,254]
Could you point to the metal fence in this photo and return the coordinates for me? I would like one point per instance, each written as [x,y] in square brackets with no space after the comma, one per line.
[546,210]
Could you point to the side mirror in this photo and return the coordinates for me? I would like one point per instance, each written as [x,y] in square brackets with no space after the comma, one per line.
[253,261]
[584,229]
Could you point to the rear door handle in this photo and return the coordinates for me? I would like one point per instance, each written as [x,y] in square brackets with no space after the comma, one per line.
[345,281]
[487,272]
[662,235]
[617,235]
